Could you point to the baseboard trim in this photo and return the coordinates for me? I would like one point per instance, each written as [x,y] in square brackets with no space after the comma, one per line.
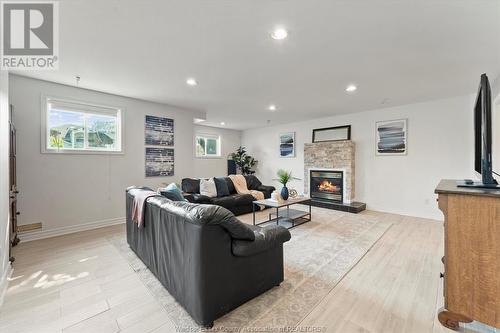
[41,234]
[4,282]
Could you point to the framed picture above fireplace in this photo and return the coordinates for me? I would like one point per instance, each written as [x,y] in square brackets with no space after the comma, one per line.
[287,144]
[337,133]
[391,137]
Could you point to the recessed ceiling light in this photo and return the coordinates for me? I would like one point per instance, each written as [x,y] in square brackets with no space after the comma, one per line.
[279,34]
[222,123]
[191,82]
[272,107]
[198,120]
[351,88]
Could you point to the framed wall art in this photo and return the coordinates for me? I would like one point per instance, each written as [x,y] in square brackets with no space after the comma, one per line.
[159,131]
[287,144]
[391,137]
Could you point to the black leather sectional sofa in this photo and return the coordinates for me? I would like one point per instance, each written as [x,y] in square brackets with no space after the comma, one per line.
[207,259]
[238,204]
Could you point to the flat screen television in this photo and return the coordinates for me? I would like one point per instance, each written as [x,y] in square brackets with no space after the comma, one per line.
[483,162]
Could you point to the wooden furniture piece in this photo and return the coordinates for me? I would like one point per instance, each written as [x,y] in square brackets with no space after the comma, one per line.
[12,185]
[471,255]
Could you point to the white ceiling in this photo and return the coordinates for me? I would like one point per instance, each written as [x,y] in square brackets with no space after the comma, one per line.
[398,51]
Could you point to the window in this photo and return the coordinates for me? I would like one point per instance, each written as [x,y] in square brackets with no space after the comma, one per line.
[79,127]
[207,145]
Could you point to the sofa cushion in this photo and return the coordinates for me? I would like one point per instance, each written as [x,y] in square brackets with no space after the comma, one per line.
[207,187]
[221,186]
[226,202]
[190,185]
[243,199]
[172,192]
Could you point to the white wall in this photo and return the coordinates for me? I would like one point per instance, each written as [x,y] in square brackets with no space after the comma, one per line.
[440,145]
[4,182]
[495,88]
[210,167]
[63,191]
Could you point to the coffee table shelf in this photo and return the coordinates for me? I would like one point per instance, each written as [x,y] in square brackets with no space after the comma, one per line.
[284,215]
[289,214]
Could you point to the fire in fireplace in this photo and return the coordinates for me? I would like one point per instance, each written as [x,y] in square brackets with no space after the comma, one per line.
[327,185]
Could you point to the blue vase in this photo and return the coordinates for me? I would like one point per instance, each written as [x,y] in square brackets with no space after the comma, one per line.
[284,192]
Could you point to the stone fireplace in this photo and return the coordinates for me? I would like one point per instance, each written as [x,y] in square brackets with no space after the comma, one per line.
[329,174]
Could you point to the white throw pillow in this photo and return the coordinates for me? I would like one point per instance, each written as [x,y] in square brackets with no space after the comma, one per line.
[207,187]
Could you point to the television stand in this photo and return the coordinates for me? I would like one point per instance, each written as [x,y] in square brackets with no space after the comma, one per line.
[463,183]
[471,261]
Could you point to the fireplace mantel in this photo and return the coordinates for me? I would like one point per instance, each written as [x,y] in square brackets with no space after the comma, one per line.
[331,155]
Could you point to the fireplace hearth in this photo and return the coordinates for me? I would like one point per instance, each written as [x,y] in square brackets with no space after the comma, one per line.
[327,185]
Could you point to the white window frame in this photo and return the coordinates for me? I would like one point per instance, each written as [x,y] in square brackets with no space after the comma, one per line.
[208,136]
[93,108]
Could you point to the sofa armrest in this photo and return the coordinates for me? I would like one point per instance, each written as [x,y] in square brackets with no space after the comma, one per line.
[267,190]
[188,196]
[265,238]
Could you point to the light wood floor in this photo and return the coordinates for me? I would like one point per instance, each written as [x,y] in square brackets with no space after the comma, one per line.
[80,283]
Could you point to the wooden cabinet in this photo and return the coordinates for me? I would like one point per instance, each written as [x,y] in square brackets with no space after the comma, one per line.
[471,255]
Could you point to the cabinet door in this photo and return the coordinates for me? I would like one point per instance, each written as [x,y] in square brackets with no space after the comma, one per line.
[472,257]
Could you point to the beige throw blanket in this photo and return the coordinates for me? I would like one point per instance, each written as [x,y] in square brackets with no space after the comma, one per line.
[240,184]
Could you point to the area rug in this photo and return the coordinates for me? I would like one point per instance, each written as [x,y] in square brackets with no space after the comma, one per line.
[317,257]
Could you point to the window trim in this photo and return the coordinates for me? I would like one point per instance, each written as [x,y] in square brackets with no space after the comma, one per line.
[44,127]
[208,136]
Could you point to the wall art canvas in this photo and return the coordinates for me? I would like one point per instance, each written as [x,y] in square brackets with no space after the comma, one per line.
[391,137]
[159,162]
[159,131]
[287,144]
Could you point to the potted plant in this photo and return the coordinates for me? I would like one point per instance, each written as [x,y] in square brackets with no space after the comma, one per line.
[244,162]
[284,177]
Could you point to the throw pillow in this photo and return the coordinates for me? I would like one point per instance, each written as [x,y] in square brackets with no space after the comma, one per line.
[172,192]
[207,188]
[221,186]
[191,185]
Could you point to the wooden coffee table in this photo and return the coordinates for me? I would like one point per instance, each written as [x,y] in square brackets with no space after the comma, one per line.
[284,215]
